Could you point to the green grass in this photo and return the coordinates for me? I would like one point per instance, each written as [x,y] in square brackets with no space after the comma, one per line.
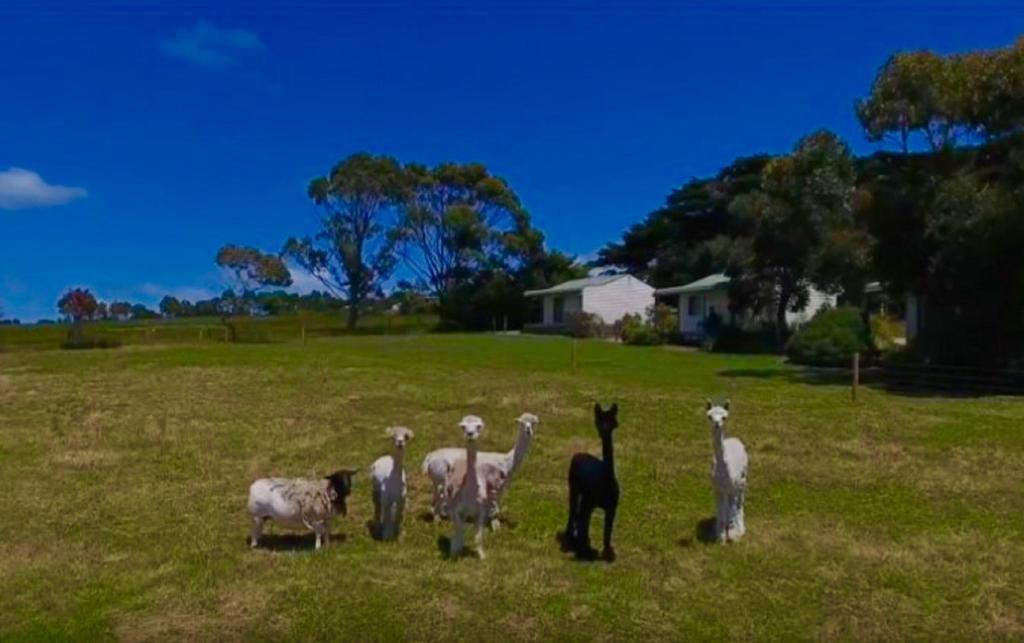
[125,475]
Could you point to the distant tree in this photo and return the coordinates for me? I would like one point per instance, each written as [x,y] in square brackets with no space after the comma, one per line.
[252,270]
[171,307]
[802,225]
[457,221]
[693,234]
[78,305]
[120,310]
[353,251]
[140,311]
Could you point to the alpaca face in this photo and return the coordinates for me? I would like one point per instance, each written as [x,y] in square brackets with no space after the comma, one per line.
[606,421]
[472,426]
[400,434]
[528,423]
[718,414]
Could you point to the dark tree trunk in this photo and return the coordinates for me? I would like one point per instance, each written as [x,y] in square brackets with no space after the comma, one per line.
[353,314]
[780,319]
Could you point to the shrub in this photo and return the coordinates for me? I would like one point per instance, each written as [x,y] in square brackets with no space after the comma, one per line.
[732,339]
[664,319]
[88,343]
[830,339]
[632,329]
[584,325]
[885,331]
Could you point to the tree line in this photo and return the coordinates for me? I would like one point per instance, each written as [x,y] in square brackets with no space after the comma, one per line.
[457,233]
[938,212]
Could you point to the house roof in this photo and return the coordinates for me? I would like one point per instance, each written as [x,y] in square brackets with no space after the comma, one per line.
[701,285]
[575,285]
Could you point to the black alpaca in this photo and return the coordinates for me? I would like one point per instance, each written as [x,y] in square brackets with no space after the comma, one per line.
[592,485]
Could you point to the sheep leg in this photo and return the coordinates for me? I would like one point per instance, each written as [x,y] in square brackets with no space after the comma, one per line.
[481,522]
[256,532]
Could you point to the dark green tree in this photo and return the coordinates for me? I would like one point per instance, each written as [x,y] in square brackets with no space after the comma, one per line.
[352,253]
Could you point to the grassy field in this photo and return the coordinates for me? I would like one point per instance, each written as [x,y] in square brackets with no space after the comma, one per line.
[188,330]
[125,475]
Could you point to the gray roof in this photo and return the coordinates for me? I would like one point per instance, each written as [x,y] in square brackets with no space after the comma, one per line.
[703,284]
[575,285]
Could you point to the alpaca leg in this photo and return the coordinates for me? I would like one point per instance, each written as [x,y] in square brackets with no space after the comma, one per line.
[326,529]
[721,516]
[583,547]
[378,513]
[399,515]
[609,524]
[492,513]
[256,532]
[456,544]
[569,541]
[319,537]
[741,525]
[481,522]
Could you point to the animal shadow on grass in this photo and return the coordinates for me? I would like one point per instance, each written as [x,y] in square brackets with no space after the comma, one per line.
[373,530]
[583,557]
[294,542]
[426,516]
[444,545]
[704,532]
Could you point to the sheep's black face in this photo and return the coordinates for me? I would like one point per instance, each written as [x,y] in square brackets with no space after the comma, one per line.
[606,421]
[341,483]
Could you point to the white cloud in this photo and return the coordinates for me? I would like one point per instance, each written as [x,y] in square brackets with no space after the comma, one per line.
[22,189]
[208,45]
[304,282]
[157,292]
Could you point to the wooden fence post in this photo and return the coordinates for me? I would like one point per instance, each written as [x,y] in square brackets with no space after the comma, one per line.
[574,341]
[856,376]
[303,333]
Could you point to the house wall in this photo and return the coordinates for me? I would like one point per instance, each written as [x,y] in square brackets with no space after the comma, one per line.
[816,300]
[571,303]
[717,299]
[610,302]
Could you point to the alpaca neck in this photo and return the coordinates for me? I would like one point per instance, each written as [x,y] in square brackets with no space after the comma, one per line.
[516,456]
[718,443]
[398,459]
[470,480]
[608,452]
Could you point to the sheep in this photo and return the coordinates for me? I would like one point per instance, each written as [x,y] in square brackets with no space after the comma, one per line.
[471,488]
[593,485]
[439,463]
[299,504]
[388,476]
[729,466]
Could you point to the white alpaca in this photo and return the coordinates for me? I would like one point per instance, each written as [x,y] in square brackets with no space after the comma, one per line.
[440,462]
[471,488]
[728,476]
[388,476]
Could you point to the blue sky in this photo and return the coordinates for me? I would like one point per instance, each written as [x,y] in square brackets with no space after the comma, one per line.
[137,137]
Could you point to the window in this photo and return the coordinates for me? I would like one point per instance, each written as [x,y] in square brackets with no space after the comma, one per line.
[558,315]
[691,306]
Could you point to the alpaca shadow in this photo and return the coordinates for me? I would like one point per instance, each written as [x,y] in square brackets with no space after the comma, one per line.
[704,532]
[444,545]
[591,556]
[373,530]
[294,542]
[426,516]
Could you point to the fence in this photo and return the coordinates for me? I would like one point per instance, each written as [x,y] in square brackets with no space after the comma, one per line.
[939,379]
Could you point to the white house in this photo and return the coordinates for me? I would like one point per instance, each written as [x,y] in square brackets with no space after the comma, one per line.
[609,297]
[699,299]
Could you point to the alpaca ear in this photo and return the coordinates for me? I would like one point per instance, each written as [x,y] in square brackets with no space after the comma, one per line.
[390,432]
[409,434]
[615,408]
[708,402]
[597,408]
[726,404]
